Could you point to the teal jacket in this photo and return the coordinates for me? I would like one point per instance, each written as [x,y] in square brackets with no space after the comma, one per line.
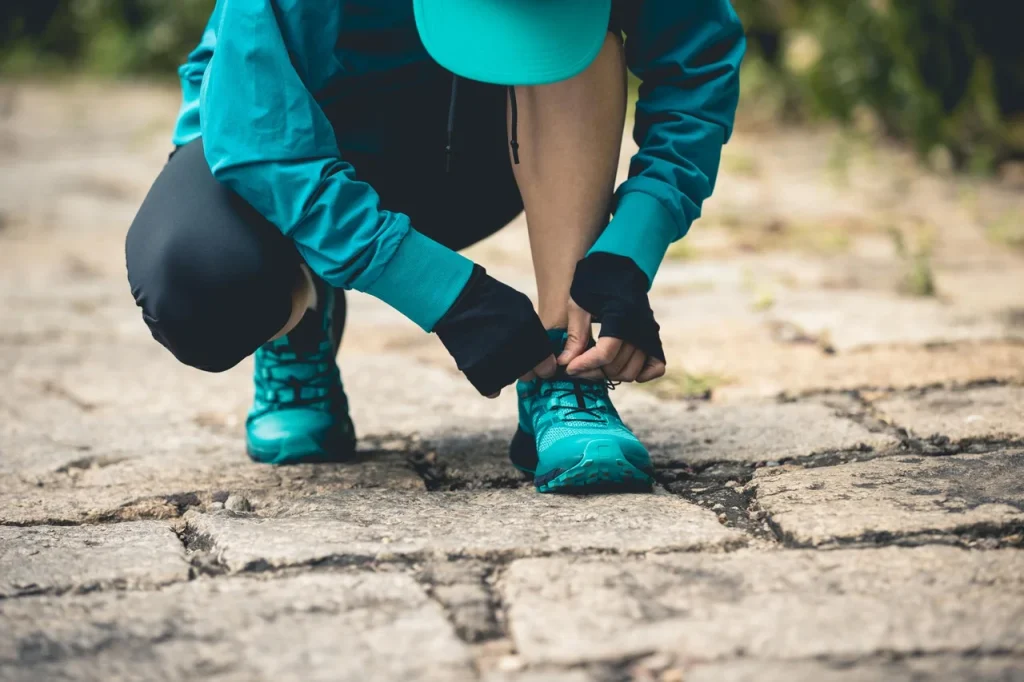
[254,88]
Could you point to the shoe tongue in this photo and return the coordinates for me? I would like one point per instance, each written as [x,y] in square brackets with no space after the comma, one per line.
[307,335]
[557,338]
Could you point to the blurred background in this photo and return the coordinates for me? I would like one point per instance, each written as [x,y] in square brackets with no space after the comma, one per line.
[946,76]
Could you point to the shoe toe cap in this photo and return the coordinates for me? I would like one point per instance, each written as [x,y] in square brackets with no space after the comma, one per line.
[568,452]
[295,434]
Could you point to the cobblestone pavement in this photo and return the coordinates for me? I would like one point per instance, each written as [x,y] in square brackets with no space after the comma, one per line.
[840,446]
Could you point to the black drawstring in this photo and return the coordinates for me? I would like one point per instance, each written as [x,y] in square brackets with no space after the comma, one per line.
[451,125]
[514,142]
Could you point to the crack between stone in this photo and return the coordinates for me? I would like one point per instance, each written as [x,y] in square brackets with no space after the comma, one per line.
[199,552]
[56,390]
[154,508]
[923,389]
[486,635]
[113,585]
[499,558]
[624,669]
[196,542]
[875,421]
[973,536]
[724,487]
[939,445]
[867,415]
[46,654]
[437,476]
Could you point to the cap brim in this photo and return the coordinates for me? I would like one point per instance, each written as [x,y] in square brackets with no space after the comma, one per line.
[513,42]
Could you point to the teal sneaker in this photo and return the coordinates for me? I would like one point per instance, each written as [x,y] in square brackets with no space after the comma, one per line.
[300,411]
[572,440]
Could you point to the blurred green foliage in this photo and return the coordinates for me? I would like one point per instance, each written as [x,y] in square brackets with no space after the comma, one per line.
[108,37]
[946,75]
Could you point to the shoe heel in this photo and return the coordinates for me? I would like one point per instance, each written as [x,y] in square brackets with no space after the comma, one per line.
[522,451]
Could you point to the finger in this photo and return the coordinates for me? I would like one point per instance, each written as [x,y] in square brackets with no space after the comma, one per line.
[633,368]
[529,376]
[613,368]
[654,369]
[577,334]
[591,375]
[598,356]
[547,367]
[493,395]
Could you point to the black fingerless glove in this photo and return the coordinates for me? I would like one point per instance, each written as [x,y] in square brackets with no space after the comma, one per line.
[613,289]
[493,333]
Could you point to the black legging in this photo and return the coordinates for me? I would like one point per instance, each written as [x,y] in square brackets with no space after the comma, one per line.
[214,278]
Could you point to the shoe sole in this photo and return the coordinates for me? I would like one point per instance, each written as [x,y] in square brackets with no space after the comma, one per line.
[307,450]
[601,468]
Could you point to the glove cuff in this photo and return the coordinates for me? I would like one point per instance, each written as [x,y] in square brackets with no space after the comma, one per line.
[613,289]
[493,333]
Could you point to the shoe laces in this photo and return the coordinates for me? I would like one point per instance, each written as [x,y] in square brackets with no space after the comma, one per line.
[289,378]
[576,399]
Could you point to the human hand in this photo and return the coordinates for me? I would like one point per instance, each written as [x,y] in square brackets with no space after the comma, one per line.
[613,290]
[495,336]
[611,358]
[545,369]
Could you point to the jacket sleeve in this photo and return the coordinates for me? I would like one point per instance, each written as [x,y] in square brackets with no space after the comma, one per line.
[267,139]
[687,56]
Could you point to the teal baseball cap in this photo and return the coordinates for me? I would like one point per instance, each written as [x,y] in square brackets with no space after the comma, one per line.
[513,42]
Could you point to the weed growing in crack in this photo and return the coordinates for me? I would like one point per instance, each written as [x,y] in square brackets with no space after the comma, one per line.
[914,245]
[681,385]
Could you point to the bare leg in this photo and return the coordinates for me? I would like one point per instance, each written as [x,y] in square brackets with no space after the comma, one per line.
[303,298]
[570,134]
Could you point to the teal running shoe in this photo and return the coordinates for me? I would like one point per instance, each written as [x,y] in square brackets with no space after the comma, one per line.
[572,440]
[300,411]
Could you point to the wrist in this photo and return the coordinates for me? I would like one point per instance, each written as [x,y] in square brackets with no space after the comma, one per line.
[642,230]
[613,290]
[493,333]
[422,280]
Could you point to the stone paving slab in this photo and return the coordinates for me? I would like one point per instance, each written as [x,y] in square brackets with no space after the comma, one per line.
[687,433]
[60,464]
[925,669]
[760,365]
[462,588]
[147,492]
[81,558]
[151,486]
[358,627]
[859,319]
[993,412]
[383,523]
[102,377]
[893,497]
[778,605]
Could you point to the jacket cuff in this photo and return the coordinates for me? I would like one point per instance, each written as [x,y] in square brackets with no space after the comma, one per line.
[642,230]
[422,280]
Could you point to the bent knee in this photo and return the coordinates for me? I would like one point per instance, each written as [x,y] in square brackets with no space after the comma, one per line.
[213,278]
[180,305]
[210,309]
